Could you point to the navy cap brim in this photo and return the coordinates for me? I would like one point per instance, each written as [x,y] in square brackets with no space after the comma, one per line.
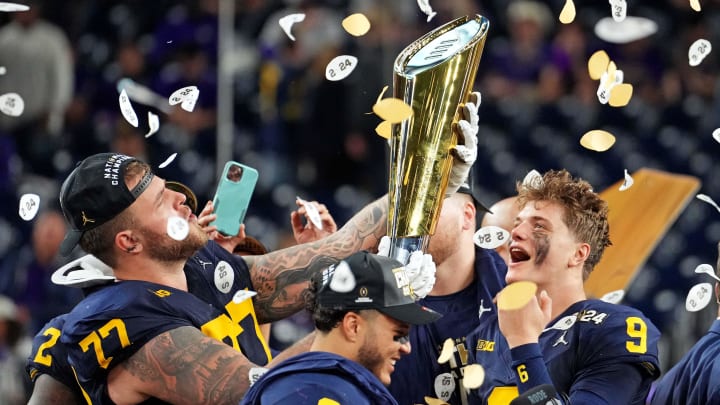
[72,238]
[479,206]
[413,314]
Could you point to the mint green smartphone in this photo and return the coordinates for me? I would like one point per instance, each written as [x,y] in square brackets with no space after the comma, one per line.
[232,197]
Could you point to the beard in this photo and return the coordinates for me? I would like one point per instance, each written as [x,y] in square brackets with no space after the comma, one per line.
[163,248]
[369,356]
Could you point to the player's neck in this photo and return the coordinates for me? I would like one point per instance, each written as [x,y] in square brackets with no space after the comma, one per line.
[455,273]
[563,295]
[163,273]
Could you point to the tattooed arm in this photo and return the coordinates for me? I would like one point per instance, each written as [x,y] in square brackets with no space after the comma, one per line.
[181,366]
[281,278]
[48,390]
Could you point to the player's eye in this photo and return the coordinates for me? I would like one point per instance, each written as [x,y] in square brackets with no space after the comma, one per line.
[402,339]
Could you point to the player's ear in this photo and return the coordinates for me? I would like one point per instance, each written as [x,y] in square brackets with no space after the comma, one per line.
[582,251]
[127,242]
[352,325]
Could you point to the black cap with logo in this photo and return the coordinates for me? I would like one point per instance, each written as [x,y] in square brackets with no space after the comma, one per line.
[367,281]
[468,187]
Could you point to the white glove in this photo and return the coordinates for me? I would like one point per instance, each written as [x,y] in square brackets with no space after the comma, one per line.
[421,273]
[465,154]
[384,246]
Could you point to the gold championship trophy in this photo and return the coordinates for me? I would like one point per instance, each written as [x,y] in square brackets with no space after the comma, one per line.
[434,75]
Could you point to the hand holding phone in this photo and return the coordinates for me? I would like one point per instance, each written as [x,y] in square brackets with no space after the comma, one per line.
[232,197]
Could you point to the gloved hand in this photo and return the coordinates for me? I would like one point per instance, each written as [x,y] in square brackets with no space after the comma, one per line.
[420,269]
[465,153]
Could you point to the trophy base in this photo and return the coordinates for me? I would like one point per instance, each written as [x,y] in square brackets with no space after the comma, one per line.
[400,248]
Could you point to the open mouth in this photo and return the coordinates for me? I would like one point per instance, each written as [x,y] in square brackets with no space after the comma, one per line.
[518,255]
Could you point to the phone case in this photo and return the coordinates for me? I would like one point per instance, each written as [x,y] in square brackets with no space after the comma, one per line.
[232,197]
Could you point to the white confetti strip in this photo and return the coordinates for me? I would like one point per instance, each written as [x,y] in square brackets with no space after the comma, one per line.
[177,228]
[186,97]
[340,67]
[12,104]
[698,51]
[29,204]
[490,237]
[628,182]
[426,8]
[706,269]
[716,135]
[563,323]
[168,161]
[533,179]
[3,70]
[629,30]
[343,280]
[695,5]
[10,7]
[613,297]
[312,212]
[698,297]
[154,123]
[618,10]
[707,199]
[288,21]
[127,110]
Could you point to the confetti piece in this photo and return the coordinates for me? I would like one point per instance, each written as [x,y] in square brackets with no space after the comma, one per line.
[356,24]
[447,351]
[698,51]
[3,70]
[567,15]
[620,95]
[328,401]
[444,386]
[288,21]
[168,161]
[598,64]
[10,7]
[533,179]
[695,5]
[127,110]
[343,280]
[597,140]
[618,10]
[384,129]
[707,269]
[154,123]
[473,376]
[628,30]
[435,401]
[12,104]
[340,67]
[312,212]
[564,323]
[243,295]
[716,134]
[516,295]
[186,97]
[393,110]
[627,183]
[177,228]
[613,297]
[698,297]
[426,8]
[29,204]
[490,237]
[707,199]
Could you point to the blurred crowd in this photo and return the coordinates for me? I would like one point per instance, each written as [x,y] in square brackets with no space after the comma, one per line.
[314,138]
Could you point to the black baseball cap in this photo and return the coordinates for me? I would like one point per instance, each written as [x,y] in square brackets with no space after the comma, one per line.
[95,192]
[468,187]
[367,281]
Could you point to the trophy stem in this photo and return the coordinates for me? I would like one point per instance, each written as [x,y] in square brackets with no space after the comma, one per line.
[400,248]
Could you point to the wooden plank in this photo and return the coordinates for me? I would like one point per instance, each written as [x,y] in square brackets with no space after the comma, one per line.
[639,218]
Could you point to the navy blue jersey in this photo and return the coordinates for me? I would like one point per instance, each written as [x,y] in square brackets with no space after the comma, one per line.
[695,378]
[49,357]
[312,377]
[585,353]
[418,374]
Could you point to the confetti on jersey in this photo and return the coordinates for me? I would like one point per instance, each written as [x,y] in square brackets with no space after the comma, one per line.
[12,104]
[127,110]
[29,204]
[340,67]
[698,297]
[356,24]
[628,182]
[288,21]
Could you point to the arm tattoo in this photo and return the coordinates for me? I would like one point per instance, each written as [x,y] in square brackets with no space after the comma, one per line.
[185,366]
[281,278]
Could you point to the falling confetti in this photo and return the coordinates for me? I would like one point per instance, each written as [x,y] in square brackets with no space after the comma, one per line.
[567,15]
[340,67]
[706,269]
[707,199]
[288,21]
[628,30]
[343,280]
[620,94]
[613,297]
[10,7]
[384,129]
[177,228]
[3,70]
[695,5]
[490,237]
[698,297]
[698,51]
[168,161]
[312,212]
[154,123]
[356,24]
[533,179]
[12,104]
[716,134]
[597,140]
[29,204]
[628,182]
[618,10]
[598,64]
[426,8]
[393,110]
[516,295]
[186,97]
[127,110]
[473,376]
[447,351]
